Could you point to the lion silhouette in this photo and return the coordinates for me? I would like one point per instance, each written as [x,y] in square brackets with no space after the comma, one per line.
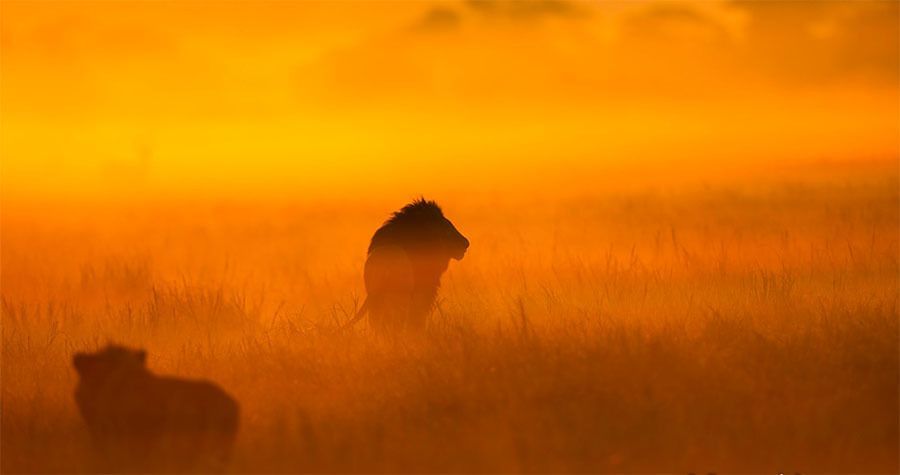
[142,422]
[406,258]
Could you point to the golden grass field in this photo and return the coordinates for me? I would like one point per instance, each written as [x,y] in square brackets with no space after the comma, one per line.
[738,327]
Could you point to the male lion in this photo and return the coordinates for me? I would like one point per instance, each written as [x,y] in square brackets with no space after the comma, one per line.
[407,256]
[142,422]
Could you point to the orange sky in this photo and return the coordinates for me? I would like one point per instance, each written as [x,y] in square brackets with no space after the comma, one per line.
[229,98]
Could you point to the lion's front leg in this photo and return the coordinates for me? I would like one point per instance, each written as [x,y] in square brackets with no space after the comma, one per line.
[389,286]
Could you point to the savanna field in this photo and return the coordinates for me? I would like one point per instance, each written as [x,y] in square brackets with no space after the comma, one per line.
[741,326]
[684,220]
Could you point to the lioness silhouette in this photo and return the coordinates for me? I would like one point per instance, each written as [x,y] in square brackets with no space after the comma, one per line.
[142,422]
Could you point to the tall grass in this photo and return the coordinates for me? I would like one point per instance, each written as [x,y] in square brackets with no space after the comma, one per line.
[733,329]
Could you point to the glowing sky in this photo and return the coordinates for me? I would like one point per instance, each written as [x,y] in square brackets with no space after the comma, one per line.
[226,98]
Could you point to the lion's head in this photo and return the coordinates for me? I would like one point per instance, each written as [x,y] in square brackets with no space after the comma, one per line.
[421,226]
[112,360]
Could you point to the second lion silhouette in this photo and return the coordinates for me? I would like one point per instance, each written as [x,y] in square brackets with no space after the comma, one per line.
[407,256]
[142,422]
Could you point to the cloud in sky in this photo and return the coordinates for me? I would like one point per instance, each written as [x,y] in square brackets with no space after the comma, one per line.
[822,42]
[600,49]
[293,55]
[519,10]
[360,82]
[439,18]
